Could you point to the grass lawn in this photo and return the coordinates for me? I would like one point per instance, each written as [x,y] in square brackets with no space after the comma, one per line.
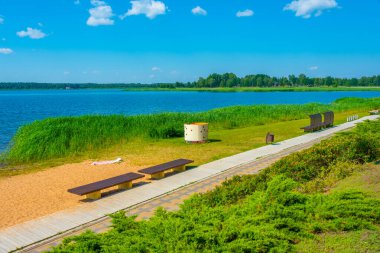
[367,181]
[223,143]
[363,241]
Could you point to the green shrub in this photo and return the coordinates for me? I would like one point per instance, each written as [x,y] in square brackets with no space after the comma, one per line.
[315,168]
[257,213]
[272,220]
[328,178]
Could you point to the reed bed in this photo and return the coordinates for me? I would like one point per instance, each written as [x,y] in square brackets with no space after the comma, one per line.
[68,136]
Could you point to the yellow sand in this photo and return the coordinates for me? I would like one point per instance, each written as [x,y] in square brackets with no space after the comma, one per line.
[25,197]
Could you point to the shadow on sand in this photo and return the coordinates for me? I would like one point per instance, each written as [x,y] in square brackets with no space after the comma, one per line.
[114,191]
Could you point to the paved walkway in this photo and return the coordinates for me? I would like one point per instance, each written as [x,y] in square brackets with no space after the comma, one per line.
[144,199]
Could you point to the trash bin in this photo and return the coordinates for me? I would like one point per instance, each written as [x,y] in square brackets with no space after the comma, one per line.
[270,138]
[196,132]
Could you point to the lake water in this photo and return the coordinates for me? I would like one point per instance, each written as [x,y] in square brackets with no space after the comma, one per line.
[21,107]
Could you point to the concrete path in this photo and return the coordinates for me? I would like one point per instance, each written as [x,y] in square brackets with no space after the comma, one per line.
[92,214]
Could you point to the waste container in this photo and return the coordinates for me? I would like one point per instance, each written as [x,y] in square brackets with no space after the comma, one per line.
[196,132]
[270,138]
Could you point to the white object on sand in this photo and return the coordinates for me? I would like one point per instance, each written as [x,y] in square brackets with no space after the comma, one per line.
[107,162]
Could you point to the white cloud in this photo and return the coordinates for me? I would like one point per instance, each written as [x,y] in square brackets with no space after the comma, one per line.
[98,2]
[66,73]
[308,8]
[199,11]
[6,51]
[313,68]
[149,8]
[246,13]
[1,20]
[101,14]
[156,69]
[77,2]
[31,33]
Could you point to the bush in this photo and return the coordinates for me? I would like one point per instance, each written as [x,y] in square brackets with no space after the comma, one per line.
[315,168]
[272,220]
[257,213]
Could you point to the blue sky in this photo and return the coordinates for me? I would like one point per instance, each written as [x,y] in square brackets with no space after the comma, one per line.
[166,40]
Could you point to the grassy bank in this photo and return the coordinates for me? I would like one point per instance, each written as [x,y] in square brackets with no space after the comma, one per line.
[258,89]
[320,193]
[77,136]
[367,181]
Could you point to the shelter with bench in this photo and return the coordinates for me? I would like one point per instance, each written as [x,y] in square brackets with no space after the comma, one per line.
[158,171]
[93,190]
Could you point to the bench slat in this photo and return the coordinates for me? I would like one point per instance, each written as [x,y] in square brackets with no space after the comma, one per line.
[165,166]
[103,184]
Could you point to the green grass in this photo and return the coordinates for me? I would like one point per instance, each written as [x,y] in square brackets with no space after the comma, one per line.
[362,241]
[146,152]
[58,138]
[366,180]
[268,212]
[264,89]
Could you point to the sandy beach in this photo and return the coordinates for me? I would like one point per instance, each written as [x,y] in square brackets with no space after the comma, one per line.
[25,197]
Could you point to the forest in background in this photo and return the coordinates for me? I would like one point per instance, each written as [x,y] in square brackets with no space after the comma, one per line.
[228,80]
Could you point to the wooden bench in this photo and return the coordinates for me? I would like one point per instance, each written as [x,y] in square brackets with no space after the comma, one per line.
[158,171]
[328,119]
[93,190]
[315,123]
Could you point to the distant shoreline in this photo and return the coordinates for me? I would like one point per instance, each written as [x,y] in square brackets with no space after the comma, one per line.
[233,89]
[255,89]
[227,82]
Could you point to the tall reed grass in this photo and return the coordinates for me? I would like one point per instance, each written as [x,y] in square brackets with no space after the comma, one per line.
[65,136]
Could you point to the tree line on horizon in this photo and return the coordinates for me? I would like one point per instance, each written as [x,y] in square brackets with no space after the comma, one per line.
[228,80]
[260,80]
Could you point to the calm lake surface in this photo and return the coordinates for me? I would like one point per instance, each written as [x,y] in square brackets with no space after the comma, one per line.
[21,107]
